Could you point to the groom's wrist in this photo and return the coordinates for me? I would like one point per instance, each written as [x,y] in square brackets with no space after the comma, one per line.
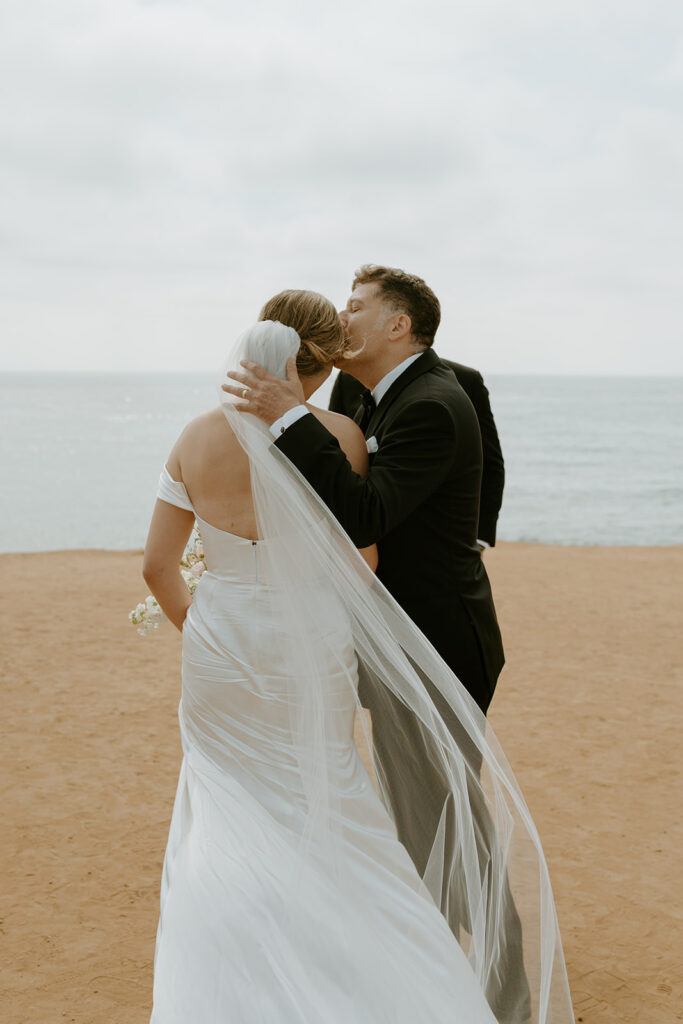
[287,419]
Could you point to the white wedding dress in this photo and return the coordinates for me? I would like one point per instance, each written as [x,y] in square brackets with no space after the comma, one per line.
[246,934]
[287,897]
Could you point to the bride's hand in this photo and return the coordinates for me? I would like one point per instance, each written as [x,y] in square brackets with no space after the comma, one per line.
[264,395]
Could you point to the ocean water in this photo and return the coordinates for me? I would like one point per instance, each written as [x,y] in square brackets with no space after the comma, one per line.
[588,460]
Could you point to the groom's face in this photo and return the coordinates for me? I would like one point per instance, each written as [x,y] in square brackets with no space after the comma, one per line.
[366,320]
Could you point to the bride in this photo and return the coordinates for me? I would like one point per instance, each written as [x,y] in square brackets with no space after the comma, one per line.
[286,895]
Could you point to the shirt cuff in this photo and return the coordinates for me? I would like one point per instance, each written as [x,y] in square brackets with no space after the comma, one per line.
[481,543]
[291,416]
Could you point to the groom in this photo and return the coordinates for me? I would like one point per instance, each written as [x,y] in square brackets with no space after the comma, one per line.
[420,500]
[347,396]
[420,504]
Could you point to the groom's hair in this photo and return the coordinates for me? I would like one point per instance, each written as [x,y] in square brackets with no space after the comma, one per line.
[405,293]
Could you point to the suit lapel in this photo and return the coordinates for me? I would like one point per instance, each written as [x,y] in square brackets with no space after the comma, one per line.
[427,361]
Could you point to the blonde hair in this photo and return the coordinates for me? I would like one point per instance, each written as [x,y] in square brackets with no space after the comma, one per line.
[317,323]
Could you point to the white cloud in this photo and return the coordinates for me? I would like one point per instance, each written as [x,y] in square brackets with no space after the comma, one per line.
[167,166]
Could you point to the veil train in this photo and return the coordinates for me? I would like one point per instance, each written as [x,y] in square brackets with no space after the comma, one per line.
[472,838]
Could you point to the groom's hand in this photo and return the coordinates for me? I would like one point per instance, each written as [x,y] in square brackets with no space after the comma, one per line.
[264,395]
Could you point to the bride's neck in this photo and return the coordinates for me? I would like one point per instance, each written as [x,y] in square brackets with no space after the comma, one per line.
[311,384]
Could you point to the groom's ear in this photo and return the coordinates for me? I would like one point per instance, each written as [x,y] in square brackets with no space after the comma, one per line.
[401,328]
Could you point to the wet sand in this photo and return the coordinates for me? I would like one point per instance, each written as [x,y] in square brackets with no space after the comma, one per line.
[589,711]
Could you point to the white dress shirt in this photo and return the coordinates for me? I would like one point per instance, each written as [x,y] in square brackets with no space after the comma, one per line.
[286,420]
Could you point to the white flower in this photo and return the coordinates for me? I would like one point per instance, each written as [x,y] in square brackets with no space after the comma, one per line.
[148,614]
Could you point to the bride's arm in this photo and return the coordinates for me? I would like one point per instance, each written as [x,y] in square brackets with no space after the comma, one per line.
[371,556]
[168,534]
[352,443]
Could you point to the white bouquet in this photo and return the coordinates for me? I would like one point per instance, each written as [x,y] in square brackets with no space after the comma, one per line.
[148,614]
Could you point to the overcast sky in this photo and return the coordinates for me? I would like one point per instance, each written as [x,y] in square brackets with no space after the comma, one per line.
[167,166]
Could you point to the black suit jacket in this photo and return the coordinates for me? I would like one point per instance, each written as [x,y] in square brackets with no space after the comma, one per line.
[420,503]
[345,399]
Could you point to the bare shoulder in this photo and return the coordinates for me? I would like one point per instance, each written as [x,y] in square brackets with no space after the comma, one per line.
[343,428]
[207,426]
[349,435]
[206,423]
[208,420]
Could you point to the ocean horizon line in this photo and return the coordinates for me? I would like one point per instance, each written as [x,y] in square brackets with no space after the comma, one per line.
[536,374]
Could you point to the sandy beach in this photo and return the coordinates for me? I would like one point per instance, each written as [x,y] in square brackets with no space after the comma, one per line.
[589,711]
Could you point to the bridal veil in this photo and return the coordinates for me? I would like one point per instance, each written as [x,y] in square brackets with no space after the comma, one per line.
[473,840]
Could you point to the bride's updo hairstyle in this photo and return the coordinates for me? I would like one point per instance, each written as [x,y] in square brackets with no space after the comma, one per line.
[317,323]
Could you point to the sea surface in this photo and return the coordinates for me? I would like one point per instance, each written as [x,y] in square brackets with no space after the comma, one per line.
[589,460]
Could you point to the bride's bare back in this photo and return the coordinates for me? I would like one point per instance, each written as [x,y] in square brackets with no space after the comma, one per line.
[212,464]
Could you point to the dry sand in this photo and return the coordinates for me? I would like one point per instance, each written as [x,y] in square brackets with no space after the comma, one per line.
[588,710]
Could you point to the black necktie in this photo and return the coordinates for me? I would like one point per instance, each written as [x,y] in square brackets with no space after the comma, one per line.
[365,410]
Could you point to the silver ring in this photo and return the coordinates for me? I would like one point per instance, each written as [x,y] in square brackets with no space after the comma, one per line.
[245,392]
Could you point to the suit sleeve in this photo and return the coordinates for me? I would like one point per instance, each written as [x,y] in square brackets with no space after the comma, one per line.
[493,472]
[416,455]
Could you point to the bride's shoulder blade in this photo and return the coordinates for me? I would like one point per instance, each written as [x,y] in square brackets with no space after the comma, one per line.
[207,433]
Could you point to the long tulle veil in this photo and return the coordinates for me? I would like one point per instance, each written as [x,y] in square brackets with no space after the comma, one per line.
[480,856]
